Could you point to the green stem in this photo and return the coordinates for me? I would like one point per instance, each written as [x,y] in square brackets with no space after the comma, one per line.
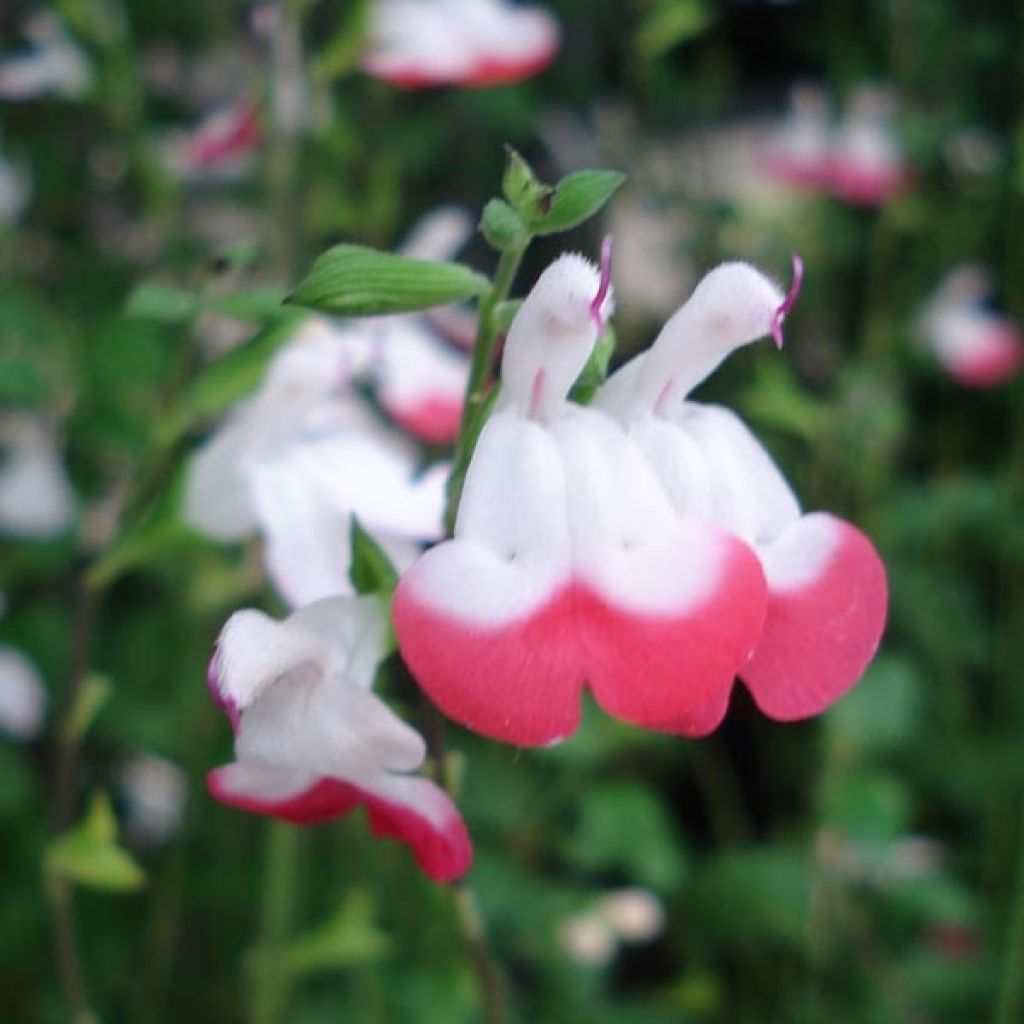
[271,975]
[1010,1006]
[479,375]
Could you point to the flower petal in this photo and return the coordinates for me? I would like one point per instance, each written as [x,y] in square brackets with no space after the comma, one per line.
[412,810]
[826,612]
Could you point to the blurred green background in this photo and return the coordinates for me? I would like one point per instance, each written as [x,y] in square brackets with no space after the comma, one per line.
[863,867]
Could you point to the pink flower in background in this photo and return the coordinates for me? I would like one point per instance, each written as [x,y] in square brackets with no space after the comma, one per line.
[978,347]
[861,162]
[312,742]
[800,153]
[55,65]
[420,43]
[569,565]
[826,586]
[221,145]
[868,167]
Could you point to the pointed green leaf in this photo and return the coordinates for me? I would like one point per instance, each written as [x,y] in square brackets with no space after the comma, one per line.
[577,197]
[596,369]
[672,23]
[351,280]
[94,693]
[350,937]
[371,572]
[88,854]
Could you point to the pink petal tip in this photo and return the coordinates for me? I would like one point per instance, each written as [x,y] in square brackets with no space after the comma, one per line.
[789,301]
[605,285]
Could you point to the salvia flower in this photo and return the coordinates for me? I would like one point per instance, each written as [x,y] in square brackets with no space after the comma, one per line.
[569,565]
[476,43]
[647,547]
[977,346]
[826,586]
[220,147]
[312,741]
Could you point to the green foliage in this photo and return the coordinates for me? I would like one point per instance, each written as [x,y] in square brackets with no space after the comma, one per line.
[351,280]
[88,854]
[577,197]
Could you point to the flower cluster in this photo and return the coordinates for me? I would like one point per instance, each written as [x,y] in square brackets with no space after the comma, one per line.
[645,547]
[861,162]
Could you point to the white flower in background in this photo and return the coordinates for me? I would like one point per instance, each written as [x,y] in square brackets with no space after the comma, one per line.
[307,451]
[977,346]
[313,742]
[622,916]
[55,64]
[153,791]
[418,43]
[23,696]
[36,499]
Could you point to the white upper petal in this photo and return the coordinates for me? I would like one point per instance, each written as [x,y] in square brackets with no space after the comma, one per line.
[439,235]
[302,684]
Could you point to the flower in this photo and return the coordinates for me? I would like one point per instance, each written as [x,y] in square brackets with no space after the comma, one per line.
[629,915]
[153,791]
[860,163]
[36,499]
[220,146]
[307,451]
[976,346]
[56,64]
[476,43]
[312,742]
[827,591]
[569,565]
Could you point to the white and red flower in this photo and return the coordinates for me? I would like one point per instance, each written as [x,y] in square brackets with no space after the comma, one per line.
[312,742]
[800,154]
[977,346]
[826,586]
[220,146]
[477,43]
[569,565]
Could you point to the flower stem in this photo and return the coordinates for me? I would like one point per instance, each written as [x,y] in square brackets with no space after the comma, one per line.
[1010,1006]
[489,975]
[479,374]
[270,972]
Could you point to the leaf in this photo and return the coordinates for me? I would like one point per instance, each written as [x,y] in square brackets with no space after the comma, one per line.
[350,937]
[596,369]
[161,303]
[251,304]
[624,826]
[88,853]
[352,280]
[672,23]
[94,693]
[578,196]
[371,571]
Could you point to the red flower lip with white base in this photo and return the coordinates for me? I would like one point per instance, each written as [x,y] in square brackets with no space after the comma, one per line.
[827,593]
[312,741]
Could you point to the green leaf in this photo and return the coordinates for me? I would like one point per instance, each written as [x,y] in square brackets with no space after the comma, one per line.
[94,693]
[672,23]
[251,304]
[371,572]
[578,196]
[502,226]
[624,826]
[352,280]
[595,371]
[349,938]
[88,854]
[520,186]
[345,49]
[161,303]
